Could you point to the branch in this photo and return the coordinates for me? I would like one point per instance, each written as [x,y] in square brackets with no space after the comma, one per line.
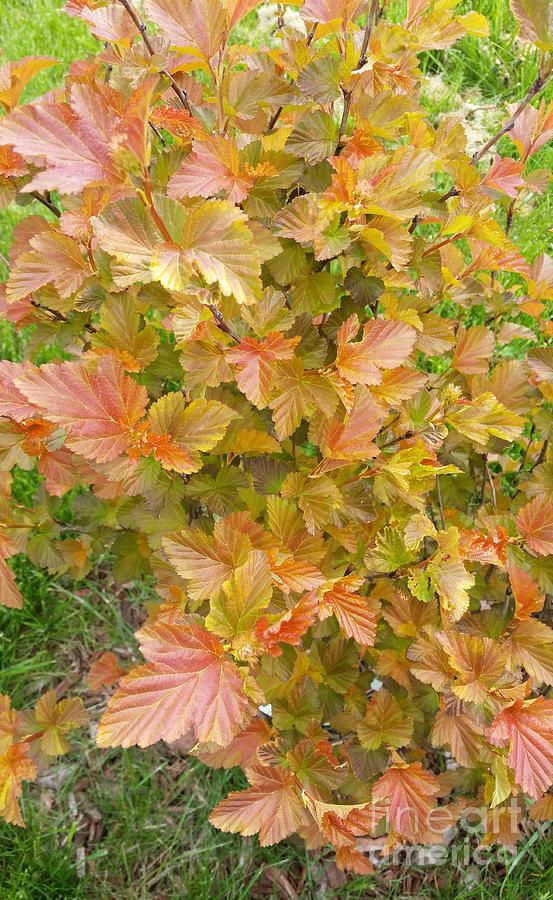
[537,86]
[440,502]
[46,202]
[276,116]
[222,324]
[150,48]
[345,113]
[372,18]
[59,317]
[535,89]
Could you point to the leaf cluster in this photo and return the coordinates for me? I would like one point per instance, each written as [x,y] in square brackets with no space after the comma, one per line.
[302,379]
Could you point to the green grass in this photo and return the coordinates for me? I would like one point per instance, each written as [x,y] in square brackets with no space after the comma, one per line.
[133,824]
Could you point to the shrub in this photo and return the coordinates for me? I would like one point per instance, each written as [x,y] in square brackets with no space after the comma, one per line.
[301,379]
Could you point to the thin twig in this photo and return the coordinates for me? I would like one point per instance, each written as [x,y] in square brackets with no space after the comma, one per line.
[492,485]
[58,316]
[537,86]
[158,133]
[151,50]
[345,113]
[151,206]
[277,114]
[535,89]
[47,202]
[541,457]
[440,503]
[527,448]
[510,214]
[372,17]
[222,324]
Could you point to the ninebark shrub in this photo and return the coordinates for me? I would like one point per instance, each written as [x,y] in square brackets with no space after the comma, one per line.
[301,379]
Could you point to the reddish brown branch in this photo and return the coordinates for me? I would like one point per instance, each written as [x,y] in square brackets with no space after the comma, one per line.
[47,202]
[276,115]
[150,48]
[536,88]
[222,324]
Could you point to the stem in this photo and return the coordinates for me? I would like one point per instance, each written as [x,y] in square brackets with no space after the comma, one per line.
[492,485]
[527,448]
[58,316]
[441,244]
[222,324]
[158,133]
[276,115]
[535,88]
[510,214]
[216,76]
[155,215]
[372,17]
[345,114]
[150,48]
[440,503]
[46,202]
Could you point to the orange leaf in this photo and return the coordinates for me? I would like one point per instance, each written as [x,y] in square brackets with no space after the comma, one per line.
[180,433]
[104,672]
[16,74]
[386,344]
[528,597]
[288,628]
[189,683]
[16,766]
[10,594]
[535,523]
[474,350]
[8,723]
[242,751]
[527,727]
[348,859]
[98,404]
[353,612]
[271,807]
[409,791]
[207,562]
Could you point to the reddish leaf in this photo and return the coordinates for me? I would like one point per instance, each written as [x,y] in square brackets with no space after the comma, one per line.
[409,791]
[474,350]
[254,361]
[385,344]
[188,683]
[10,594]
[535,523]
[288,628]
[354,613]
[271,807]
[506,176]
[16,767]
[12,402]
[104,672]
[212,167]
[527,728]
[98,404]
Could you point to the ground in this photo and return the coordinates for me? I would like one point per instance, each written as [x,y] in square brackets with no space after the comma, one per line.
[133,824]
